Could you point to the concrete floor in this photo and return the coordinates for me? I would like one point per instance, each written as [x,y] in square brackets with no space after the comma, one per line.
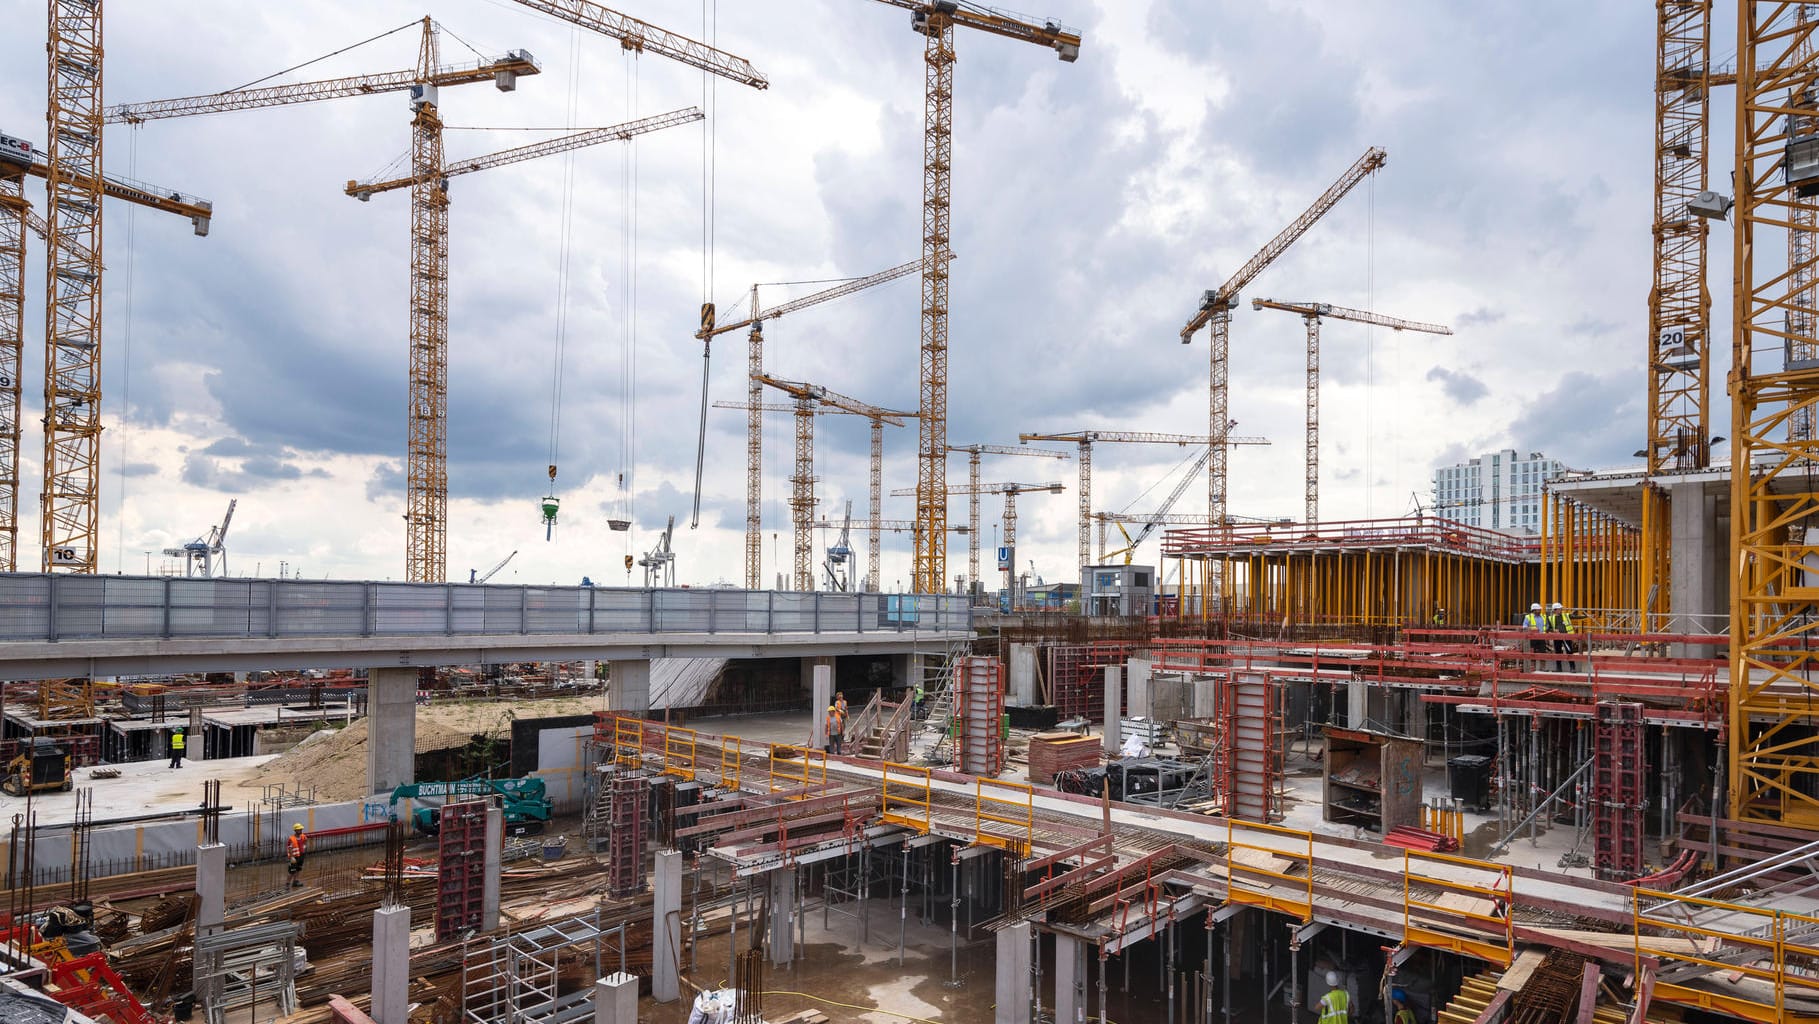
[149,787]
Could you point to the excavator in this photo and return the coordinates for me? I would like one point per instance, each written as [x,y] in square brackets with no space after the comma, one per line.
[525,802]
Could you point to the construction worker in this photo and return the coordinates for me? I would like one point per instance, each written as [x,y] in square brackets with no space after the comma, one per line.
[1536,622]
[916,709]
[1440,618]
[294,848]
[1560,623]
[833,729]
[177,749]
[1336,1005]
[1401,1011]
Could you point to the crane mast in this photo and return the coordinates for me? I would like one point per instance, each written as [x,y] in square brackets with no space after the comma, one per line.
[13,211]
[1311,313]
[1216,309]
[973,453]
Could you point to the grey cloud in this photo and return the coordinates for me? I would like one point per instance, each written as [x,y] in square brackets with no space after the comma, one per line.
[1591,327]
[1459,385]
[1483,316]
[1587,421]
[136,469]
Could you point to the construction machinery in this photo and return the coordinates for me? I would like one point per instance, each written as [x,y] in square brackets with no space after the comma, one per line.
[1149,525]
[935,21]
[839,553]
[474,576]
[973,453]
[1084,441]
[1311,313]
[207,556]
[1216,308]
[42,765]
[660,561]
[755,407]
[802,482]
[524,802]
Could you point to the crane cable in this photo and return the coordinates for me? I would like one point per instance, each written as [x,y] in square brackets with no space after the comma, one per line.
[126,351]
[709,93]
[628,289]
[563,260]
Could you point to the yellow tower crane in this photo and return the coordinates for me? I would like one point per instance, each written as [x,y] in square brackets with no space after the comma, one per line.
[1216,309]
[935,21]
[1311,313]
[754,398]
[76,381]
[802,481]
[1085,439]
[973,453]
[875,472]
[1008,533]
[1773,735]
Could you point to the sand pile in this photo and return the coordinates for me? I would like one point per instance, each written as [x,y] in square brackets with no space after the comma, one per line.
[334,760]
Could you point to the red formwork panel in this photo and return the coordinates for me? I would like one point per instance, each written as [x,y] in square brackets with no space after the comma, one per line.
[1619,791]
[461,869]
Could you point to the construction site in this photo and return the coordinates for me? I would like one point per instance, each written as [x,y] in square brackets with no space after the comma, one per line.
[1543,749]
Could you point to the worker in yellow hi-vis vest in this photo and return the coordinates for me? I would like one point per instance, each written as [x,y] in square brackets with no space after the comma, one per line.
[177,749]
[1336,1005]
[1560,623]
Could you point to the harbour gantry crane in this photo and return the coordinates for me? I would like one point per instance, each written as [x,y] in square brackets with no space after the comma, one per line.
[1010,491]
[754,401]
[1773,737]
[207,556]
[882,526]
[973,453]
[1216,309]
[802,481]
[72,371]
[1085,439]
[426,544]
[935,21]
[1311,314]
[474,576]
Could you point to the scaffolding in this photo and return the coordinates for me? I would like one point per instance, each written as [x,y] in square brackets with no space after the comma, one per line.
[461,869]
[239,969]
[523,978]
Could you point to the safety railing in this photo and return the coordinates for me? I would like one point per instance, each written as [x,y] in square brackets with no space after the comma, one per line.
[1459,905]
[904,797]
[795,767]
[1004,815]
[679,752]
[46,607]
[628,742]
[732,761]
[1747,950]
[1270,866]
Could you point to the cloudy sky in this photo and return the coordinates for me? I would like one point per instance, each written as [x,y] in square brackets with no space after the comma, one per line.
[1092,203]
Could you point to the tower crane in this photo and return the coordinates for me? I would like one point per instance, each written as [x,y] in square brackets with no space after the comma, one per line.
[1311,313]
[1085,439]
[935,21]
[1010,492]
[973,453]
[478,577]
[754,400]
[802,481]
[1149,525]
[1216,309]
[72,370]
[875,472]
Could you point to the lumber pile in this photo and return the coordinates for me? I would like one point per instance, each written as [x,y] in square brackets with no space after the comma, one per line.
[1052,752]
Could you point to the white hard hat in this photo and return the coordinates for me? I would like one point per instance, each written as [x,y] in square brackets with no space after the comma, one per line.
[1534,607]
[1556,605]
[1332,978]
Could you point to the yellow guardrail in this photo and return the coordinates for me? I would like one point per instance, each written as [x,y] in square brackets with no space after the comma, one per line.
[795,767]
[1004,815]
[1747,948]
[679,752]
[628,742]
[904,797]
[1469,916]
[1278,876]
[732,765]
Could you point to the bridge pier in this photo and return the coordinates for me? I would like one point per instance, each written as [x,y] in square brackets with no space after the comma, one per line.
[391,728]
[629,690]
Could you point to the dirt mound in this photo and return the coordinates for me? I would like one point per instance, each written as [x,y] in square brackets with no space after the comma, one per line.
[334,762]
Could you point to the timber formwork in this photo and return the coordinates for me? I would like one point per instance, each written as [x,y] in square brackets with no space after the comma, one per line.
[461,869]
[1618,791]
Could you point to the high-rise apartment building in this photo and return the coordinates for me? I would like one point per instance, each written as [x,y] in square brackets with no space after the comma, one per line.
[1497,490]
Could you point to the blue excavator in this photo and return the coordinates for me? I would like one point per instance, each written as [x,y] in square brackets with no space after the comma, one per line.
[525,802]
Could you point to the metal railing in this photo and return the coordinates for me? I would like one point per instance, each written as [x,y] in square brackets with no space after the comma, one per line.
[45,607]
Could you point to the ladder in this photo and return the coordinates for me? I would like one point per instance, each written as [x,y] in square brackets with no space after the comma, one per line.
[938,698]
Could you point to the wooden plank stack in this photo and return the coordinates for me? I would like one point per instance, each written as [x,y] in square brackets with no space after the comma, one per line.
[1051,752]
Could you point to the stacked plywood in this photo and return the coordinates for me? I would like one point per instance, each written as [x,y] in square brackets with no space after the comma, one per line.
[1051,752]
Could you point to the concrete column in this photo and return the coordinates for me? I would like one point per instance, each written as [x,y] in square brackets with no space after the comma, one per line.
[1357,703]
[391,965]
[211,887]
[1696,582]
[1022,676]
[1070,980]
[1014,974]
[391,728]
[616,999]
[1137,682]
[629,690]
[821,694]
[495,861]
[666,926]
[1114,709]
[783,916]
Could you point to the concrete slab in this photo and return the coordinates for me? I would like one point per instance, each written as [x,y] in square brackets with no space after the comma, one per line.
[152,787]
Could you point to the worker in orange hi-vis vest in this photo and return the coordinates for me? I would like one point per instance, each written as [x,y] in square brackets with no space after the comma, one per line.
[294,848]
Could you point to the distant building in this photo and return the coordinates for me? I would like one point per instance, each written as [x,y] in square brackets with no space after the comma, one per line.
[1497,490]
